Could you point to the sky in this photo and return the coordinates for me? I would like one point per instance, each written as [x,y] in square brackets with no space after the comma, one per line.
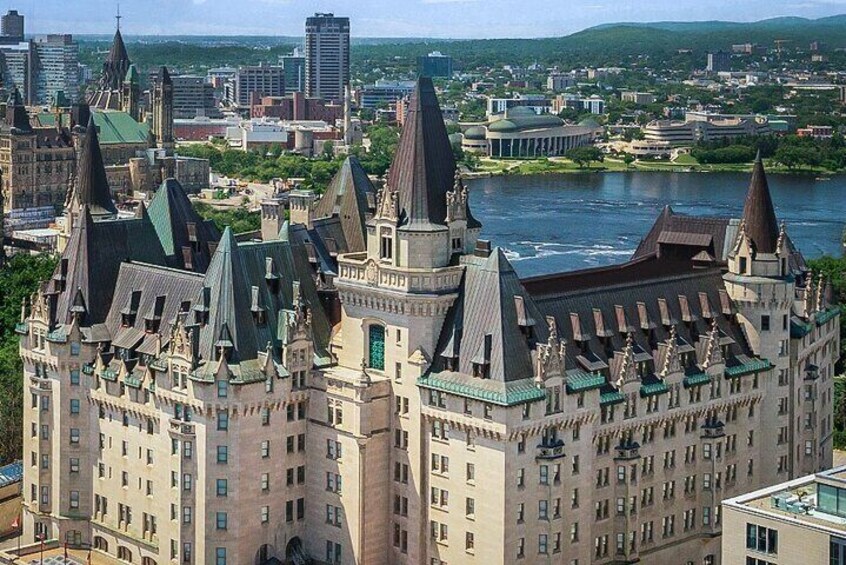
[457,19]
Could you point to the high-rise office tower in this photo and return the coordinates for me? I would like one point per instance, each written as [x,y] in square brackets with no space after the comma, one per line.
[12,27]
[294,65]
[327,53]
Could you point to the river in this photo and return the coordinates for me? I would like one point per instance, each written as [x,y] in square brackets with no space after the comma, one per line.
[554,223]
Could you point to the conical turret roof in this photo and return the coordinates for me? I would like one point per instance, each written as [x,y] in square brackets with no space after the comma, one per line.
[92,186]
[423,170]
[759,217]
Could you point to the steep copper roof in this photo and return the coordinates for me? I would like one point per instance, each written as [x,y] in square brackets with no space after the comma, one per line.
[423,169]
[683,236]
[116,64]
[92,187]
[352,198]
[187,239]
[758,214]
[493,324]
[16,114]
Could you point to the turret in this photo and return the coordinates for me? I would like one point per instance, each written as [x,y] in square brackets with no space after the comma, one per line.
[131,94]
[162,102]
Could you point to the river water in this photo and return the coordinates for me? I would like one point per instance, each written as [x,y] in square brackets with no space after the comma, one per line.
[554,223]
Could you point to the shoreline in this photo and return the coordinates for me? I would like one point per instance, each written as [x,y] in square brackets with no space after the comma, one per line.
[551,167]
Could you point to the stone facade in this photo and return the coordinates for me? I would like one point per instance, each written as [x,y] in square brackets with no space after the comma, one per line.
[442,411]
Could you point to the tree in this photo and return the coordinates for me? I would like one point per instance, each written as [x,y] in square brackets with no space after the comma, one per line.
[19,278]
[628,160]
[585,155]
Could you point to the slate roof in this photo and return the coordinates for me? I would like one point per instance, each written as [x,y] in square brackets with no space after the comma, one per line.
[147,300]
[493,322]
[352,198]
[16,115]
[681,235]
[237,273]
[187,239]
[759,216]
[91,261]
[91,188]
[116,64]
[596,319]
[423,169]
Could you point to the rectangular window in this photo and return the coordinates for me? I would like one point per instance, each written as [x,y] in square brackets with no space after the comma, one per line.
[222,487]
[221,520]
[222,454]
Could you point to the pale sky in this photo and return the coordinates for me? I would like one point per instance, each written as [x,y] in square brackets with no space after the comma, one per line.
[392,18]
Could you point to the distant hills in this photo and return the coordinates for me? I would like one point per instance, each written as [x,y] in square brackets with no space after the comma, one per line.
[606,44]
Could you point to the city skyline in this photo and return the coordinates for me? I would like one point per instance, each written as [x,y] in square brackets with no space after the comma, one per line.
[455,19]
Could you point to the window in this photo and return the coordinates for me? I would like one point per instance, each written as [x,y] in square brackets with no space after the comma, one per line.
[542,543]
[220,556]
[74,436]
[186,514]
[222,420]
[74,465]
[222,389]
[74,499]
[221,520]
[759,538]
[386,248]
[765,323]
[222,454]
[376,350]
[222,487]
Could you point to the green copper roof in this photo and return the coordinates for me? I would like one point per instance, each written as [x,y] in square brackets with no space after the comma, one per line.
[653,388]
[22,328]
[827,315]
[696,379]
[798,330]
[611,397]
[753,366]
[581,381]
[114,127]
[119,127]
[513,393]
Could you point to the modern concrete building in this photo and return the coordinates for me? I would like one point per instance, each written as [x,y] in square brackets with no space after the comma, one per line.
[58,68]
[250,84]
[798,522]
[639,98]
[593,104]
[718,62]
[384,93]
[12,27]
[327,56]
[374,384]
[560,81]
[435,64]
[193,96]
[539,104]
[294,66]
[709,128]
[520,133]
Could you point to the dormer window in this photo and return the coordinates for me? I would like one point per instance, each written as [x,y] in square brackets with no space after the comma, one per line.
[743,265]
[386,244]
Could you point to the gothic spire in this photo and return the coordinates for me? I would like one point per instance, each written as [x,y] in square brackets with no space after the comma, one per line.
[92,186]
[423,169]
[759,216]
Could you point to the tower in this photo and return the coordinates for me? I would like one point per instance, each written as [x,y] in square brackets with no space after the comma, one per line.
[760,282]
[327,54]
[395,297]
[162,102]
[131,94]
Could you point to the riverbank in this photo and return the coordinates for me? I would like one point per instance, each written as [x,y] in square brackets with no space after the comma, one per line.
[684,164]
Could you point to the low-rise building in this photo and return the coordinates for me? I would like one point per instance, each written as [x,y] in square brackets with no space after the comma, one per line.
[692,131]
[297,106]
[639,98]
[559,81]
[520,133]
[538,103]
[384,92]
[816,132]
[593,104]
[798,522]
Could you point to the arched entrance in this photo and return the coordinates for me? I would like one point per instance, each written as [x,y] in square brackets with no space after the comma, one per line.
[266,554]
[294,552]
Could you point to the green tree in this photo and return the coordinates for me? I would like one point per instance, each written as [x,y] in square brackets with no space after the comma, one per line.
[19,278]
[585,155]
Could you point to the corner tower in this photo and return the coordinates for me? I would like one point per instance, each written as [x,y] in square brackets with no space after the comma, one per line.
[760,281]
[395,296]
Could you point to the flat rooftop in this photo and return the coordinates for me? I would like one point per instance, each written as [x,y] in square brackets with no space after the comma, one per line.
[796,501]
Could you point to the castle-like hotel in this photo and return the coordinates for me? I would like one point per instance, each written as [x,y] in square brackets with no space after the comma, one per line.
[372,383]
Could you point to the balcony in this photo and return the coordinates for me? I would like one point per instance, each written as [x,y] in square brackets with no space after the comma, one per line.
[713,429]
[550,450]
[627,450]
[180,427]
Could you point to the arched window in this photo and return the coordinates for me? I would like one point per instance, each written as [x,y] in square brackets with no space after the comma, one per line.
[376,347]
[124,554]
[101,544]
